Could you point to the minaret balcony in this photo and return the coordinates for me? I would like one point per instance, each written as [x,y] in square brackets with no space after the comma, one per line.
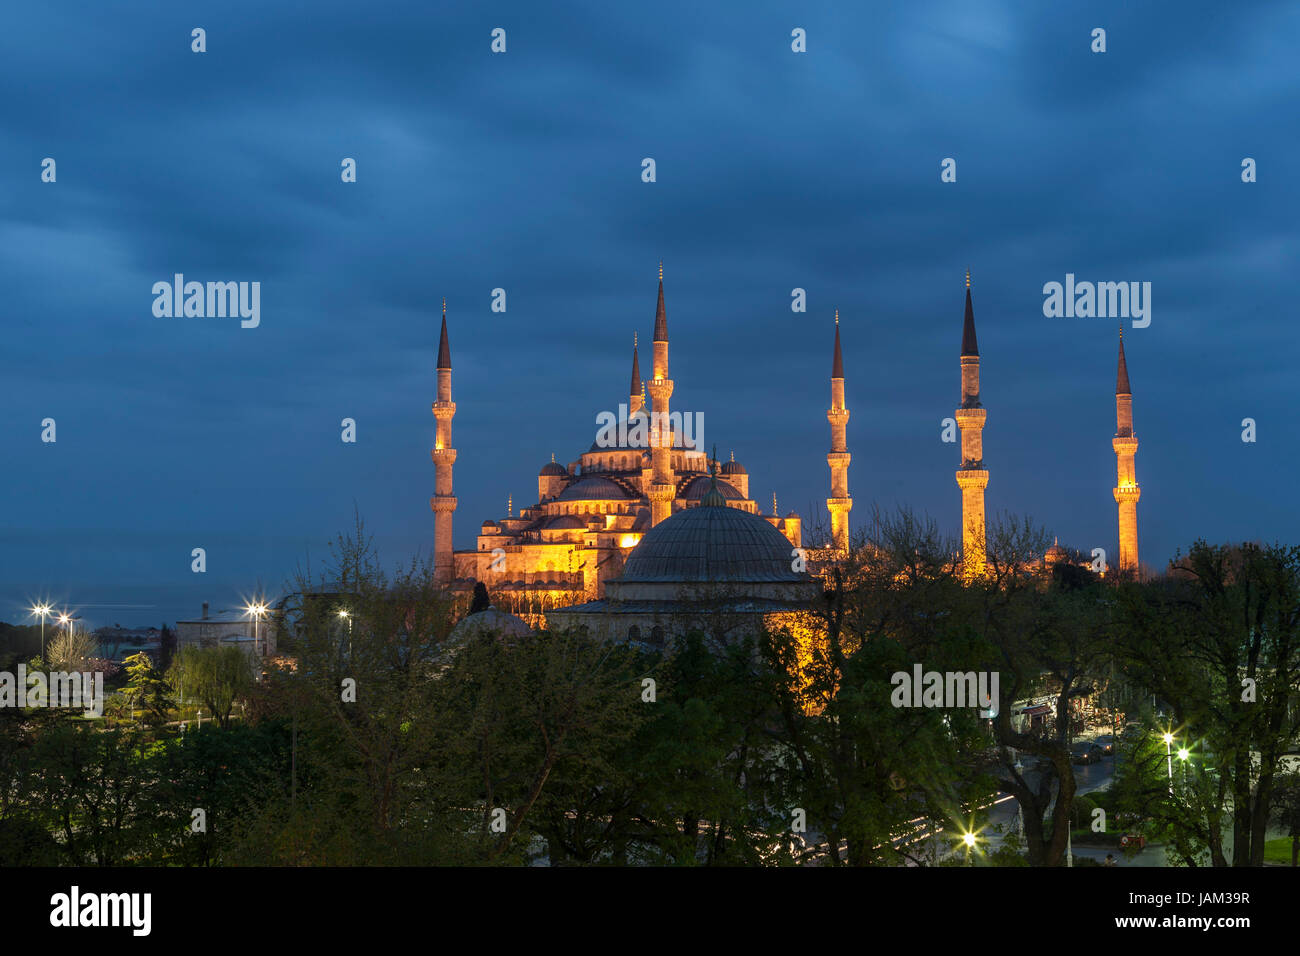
[443,504]
[1125,446]
[1125,493]
[443,456]
[444,410]
[970,417]
[973,478]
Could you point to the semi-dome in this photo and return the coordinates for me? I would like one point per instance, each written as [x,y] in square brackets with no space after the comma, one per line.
[564,523]
[699,487]
[711,544]
[592,489]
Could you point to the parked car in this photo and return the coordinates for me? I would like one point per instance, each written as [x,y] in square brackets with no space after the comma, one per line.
[1106,742]
[1085,752]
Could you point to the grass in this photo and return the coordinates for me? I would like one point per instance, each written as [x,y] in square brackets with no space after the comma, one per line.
[1278,851]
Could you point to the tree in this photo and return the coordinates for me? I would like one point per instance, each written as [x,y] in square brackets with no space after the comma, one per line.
[146,689]
[1218,639]
[71,649]
[217,676]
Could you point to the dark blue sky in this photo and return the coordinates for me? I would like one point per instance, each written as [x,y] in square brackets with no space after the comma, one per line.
[522,171]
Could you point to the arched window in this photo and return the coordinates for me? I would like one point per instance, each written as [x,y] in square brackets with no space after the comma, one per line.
[634,633]
[657,636]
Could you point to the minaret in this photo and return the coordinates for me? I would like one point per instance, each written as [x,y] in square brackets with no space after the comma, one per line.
[972,476]
[443,502]
[1125,444]
[636,397]
[839,504]
[664,482]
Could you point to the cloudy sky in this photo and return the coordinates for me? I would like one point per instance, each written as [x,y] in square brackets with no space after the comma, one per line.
[522,170]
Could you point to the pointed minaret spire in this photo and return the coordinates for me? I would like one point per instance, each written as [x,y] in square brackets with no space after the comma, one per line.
[443,501]
[661,316]
[840,503]
[634,393]
[444,349]
[510,506]
[1125,443]
[968,344]
[1121,380]
[837,363]
[775,513]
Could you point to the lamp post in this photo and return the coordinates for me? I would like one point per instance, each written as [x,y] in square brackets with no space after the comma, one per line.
[256,611]
[969,840]
[43,611]
[347,616]
[1169,759]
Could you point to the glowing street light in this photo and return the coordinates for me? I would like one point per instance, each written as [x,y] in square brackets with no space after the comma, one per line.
[1183,753]
[43,611]
[256,611]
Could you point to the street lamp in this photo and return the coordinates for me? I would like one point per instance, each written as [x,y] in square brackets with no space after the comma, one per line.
[347,616]
[1169,759]
[43,611]
[256,610]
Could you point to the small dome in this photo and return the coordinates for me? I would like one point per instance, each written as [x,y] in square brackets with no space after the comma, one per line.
[491,621]
[553,470]
[489,526]
[714,545]
[733,467]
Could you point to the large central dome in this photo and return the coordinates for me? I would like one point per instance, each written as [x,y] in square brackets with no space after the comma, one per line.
[712,543]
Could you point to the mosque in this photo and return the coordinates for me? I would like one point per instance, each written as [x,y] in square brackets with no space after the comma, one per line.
[644,531]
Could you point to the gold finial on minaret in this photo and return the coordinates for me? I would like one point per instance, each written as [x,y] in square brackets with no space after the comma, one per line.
[775,513]
[510,506]
[633,340]
[837,316]
[968,278]
[444,306]
[661,270]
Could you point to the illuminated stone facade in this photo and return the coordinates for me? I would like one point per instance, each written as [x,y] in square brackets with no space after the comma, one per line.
[591,512]
[1125,444]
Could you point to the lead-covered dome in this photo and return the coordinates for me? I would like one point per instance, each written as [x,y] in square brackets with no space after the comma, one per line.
[712,543]
[593,489]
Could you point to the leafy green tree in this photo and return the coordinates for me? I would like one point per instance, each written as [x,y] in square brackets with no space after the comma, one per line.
[146,690]
[219,677]
[1218,639]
